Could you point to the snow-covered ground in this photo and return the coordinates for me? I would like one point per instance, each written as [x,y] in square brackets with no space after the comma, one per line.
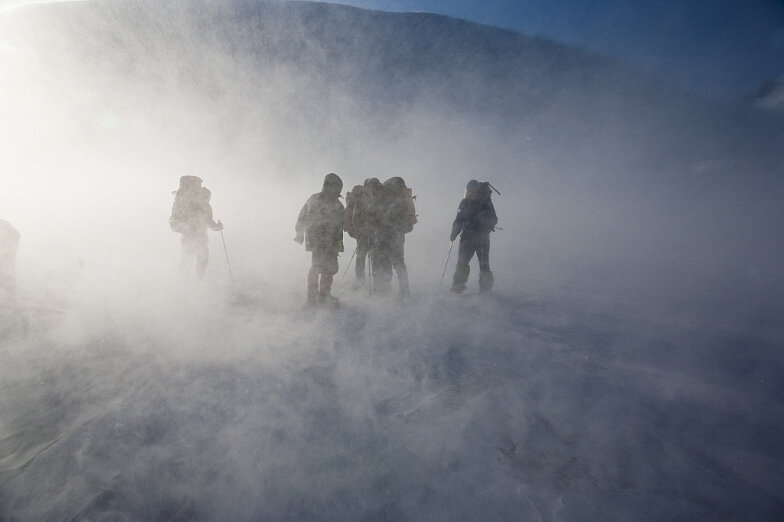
[627,366]
[481,407]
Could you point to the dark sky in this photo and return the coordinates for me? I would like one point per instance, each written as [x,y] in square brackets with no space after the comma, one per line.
[720,48]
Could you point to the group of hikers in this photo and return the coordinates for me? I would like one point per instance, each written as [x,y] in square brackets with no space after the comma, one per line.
[377,215]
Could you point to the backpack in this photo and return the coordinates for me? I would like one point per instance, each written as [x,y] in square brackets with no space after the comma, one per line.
[183,198]
[484,192]
[396,190]
[351,203]
[411,215]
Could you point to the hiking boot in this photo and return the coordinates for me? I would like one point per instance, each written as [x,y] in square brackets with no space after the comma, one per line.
[457,288]
[328,300]
[485,281]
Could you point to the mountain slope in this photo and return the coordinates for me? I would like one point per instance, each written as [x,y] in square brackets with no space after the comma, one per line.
[390,61]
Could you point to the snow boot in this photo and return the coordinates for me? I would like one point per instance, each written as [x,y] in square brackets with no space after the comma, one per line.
[457,288]
[485,281]
[328,301]
[460,278]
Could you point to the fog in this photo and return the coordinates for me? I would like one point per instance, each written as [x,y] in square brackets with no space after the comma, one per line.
[627,364]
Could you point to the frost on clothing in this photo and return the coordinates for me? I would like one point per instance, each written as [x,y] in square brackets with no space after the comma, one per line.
[199,216]
[321,222]
[320,225]
[192,216]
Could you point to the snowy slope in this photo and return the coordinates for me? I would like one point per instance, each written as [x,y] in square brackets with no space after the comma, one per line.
[475,408]
[627,367]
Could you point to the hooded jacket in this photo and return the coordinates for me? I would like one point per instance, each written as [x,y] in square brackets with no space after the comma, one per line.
[474,220]
[321,218]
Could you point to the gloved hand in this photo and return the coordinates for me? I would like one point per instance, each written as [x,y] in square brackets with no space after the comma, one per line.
[299,238]
[454,234]
[338,245]
[219,226]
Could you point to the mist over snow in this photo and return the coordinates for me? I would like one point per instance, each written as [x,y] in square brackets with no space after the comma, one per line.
[628,365]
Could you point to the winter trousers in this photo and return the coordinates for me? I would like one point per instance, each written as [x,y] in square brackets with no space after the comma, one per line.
[388,254]
[469,247]
[323,267]
[195,249]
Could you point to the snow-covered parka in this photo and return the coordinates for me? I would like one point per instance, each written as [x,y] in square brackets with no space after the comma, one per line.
[364,214]
[321,218]
[192,213]
[395,212]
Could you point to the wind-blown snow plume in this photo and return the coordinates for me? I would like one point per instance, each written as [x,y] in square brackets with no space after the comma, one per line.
[636,270]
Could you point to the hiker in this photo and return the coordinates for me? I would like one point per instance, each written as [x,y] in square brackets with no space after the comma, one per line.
[360,222]
[320,226]
[192,216]
[475,220]
[9,243]
[396,217]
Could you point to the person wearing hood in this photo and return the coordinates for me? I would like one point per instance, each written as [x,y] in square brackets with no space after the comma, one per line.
[192,217]
[395,217]
[361,222]
[475,219]
[320,226]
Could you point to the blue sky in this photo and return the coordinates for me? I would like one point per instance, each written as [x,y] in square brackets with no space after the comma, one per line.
[719,48]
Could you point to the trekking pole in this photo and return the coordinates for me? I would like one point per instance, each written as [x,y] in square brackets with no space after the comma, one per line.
[370,271]
[225,251]
[445,265]
[350,260]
